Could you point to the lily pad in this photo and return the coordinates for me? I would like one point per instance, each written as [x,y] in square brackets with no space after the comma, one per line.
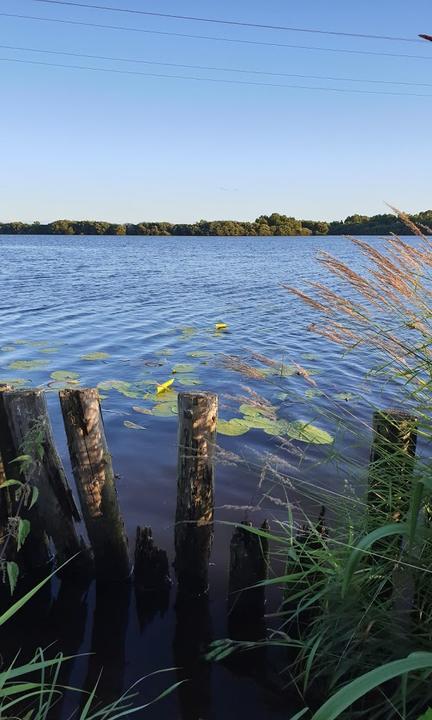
[16,382]
[164,410]
[95,356]
[169,396]
[188,332]
[27,364]
[133,426]
[313,393]
[188,380]
[255,412]
[283,371]
[121,386]
[142,410]
[200,354]
[64,376]
[164,352]
[183,368]
[305,432]
[232,428]
[347,396]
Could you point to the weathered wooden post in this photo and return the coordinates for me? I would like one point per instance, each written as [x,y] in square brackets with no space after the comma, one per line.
[195,490]
[7,551]
[391,466]
[151,576]
[94,475]
[151,567]
[30,434]
[249,561]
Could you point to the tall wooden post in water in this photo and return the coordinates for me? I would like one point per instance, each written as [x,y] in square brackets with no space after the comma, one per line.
[195,490]
[30,434]
[391,465]
[94,475]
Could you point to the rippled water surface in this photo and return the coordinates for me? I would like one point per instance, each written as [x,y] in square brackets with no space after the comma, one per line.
[149,304]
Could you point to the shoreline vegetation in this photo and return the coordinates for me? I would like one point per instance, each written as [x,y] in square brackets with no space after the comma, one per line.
[265,225]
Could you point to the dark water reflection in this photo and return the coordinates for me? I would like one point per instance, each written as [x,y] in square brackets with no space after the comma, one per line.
[138,299]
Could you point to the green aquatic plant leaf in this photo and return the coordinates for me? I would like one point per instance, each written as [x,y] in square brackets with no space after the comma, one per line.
[15,382]
[49,350]
[164,409]
[252,411]
[282,371]
[142,410]
[65,376]
[313,393]
[188,380]
[165,397]
[121,386]
[188,332]
[95,356]
[345,396]
[305,432]
[164,352]
[183,368]
[200,354]
[133,426]
[27,364]
[232,428]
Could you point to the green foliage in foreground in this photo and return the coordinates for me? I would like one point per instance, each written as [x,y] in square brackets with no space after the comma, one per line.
[264,225]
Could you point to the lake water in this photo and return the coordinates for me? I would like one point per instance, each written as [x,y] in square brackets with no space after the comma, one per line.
[150,304]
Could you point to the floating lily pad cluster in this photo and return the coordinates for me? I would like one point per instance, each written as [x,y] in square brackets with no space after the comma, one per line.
[27,364]
[260,419]
[95,356]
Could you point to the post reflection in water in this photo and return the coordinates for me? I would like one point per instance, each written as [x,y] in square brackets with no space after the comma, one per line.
[67,622]
[108,651]
[191,640]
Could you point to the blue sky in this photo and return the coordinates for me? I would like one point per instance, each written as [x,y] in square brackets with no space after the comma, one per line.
[81,144]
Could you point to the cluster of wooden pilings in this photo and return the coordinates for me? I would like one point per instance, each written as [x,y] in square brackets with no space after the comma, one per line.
[27,450]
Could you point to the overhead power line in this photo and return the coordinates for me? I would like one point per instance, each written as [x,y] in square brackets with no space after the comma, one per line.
[211,80]
[99,26]
[218,21]
[246,71]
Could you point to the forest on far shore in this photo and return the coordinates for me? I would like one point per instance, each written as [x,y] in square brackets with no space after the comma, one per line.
[274,224]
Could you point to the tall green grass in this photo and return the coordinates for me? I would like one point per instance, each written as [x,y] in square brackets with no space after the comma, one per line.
[356,614]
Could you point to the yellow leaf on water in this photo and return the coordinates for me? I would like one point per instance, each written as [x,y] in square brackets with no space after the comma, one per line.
[163,387]
[221,326]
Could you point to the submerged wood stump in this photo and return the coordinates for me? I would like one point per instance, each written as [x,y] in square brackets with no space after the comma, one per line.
[391,466]
[151,567]
[94,476]
[249,560]
[55,513]
[195,490]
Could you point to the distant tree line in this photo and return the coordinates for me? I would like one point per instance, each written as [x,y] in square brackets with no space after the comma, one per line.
[274,224]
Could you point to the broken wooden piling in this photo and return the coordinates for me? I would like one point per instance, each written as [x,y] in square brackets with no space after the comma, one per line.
[94,476]
[151,567]
[391,466]
[29,436]
[195,490]
[249,561]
